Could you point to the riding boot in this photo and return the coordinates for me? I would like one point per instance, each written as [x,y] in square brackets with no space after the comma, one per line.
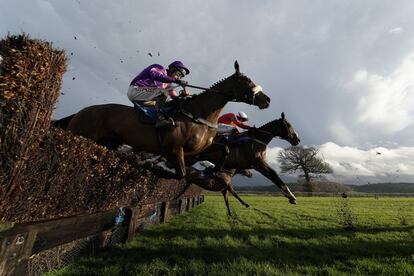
[162,122]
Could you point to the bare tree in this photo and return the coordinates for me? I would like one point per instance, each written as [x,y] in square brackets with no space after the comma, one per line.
[303,159]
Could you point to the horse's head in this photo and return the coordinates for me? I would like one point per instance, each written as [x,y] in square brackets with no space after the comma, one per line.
[243,89]
[286,131]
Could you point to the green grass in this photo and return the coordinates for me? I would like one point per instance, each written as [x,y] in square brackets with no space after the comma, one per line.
[272,237]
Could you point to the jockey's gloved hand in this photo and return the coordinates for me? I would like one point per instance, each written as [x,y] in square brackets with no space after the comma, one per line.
[184,93]
[181,82]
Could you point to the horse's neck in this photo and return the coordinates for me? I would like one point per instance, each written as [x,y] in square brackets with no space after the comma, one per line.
[208,104]
[268,132]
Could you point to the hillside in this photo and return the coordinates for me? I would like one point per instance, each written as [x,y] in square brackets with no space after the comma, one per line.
[331,187]
[384,188]
[328,187]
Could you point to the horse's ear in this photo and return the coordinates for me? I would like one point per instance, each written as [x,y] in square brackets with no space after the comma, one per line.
[237,67]
[283,115]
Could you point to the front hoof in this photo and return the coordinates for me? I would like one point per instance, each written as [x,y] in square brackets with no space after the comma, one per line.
[247,205]
[292,201]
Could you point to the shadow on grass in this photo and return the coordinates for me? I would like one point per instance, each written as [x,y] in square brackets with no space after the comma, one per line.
[279,249]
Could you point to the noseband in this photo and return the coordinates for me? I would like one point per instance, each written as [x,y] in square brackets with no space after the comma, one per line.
[249,98]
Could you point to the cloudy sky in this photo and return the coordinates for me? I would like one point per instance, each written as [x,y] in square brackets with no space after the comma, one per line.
[342,71]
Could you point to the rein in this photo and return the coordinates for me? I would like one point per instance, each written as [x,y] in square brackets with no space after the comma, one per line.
[197,120]
[255,90]
[262,131]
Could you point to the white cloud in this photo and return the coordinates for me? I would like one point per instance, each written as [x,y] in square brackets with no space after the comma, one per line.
[385,103]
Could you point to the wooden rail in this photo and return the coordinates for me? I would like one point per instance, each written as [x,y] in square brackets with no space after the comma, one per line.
[22,241]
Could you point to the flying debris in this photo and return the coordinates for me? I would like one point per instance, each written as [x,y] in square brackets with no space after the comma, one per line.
[75,37]
[121,60]
[150,54]
[378,153]
[158,53]
[73,78]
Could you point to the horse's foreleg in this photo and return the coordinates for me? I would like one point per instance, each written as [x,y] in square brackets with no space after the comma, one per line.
[226,200]
[225,151]
[234,193]
[270,174]
[179,153]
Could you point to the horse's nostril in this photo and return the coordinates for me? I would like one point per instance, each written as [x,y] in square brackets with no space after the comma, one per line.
[268,99]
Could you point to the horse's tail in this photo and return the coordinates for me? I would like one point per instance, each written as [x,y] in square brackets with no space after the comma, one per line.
[62,123]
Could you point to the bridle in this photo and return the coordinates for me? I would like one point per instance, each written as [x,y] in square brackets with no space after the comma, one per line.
[250,99]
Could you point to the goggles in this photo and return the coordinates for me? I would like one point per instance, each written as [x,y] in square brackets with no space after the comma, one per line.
[181,72]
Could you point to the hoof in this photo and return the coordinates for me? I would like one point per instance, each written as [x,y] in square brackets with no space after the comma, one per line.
[247,205]
[292,201]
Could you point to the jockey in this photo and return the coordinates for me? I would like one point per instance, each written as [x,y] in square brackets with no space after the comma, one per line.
[229,123]
[203,167]
[154,84]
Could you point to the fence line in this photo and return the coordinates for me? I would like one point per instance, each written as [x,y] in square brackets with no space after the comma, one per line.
[35,248]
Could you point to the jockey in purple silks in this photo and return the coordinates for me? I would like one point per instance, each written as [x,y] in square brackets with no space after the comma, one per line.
[154,84]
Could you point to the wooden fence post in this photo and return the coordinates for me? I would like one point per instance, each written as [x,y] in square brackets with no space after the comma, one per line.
[180,206]
[15,252]
[187,204]
[132,224]
[164,211]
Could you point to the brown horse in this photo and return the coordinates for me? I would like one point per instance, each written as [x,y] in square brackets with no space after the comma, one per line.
[252,154]
[219,182]
[196,121]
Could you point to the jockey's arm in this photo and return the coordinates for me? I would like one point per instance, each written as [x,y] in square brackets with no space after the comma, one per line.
[241,125]
[158,76]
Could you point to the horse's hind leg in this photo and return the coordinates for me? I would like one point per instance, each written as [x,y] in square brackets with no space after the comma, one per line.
[234,193]
[63,123]
[183,191]
[226,200]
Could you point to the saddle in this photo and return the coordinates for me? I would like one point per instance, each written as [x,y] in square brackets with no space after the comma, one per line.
[149,114]
[237,139]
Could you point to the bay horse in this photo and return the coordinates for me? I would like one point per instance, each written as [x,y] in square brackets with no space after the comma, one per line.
[195,119]
[252,153]
[219,182]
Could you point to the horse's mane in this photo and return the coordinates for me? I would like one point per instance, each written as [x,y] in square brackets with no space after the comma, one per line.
[194,96]
[268,124]
[218,82]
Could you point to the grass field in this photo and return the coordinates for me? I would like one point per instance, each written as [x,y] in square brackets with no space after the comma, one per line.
[319,236]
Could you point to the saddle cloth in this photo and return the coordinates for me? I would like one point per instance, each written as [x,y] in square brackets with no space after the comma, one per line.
[150,113]
[232,139]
